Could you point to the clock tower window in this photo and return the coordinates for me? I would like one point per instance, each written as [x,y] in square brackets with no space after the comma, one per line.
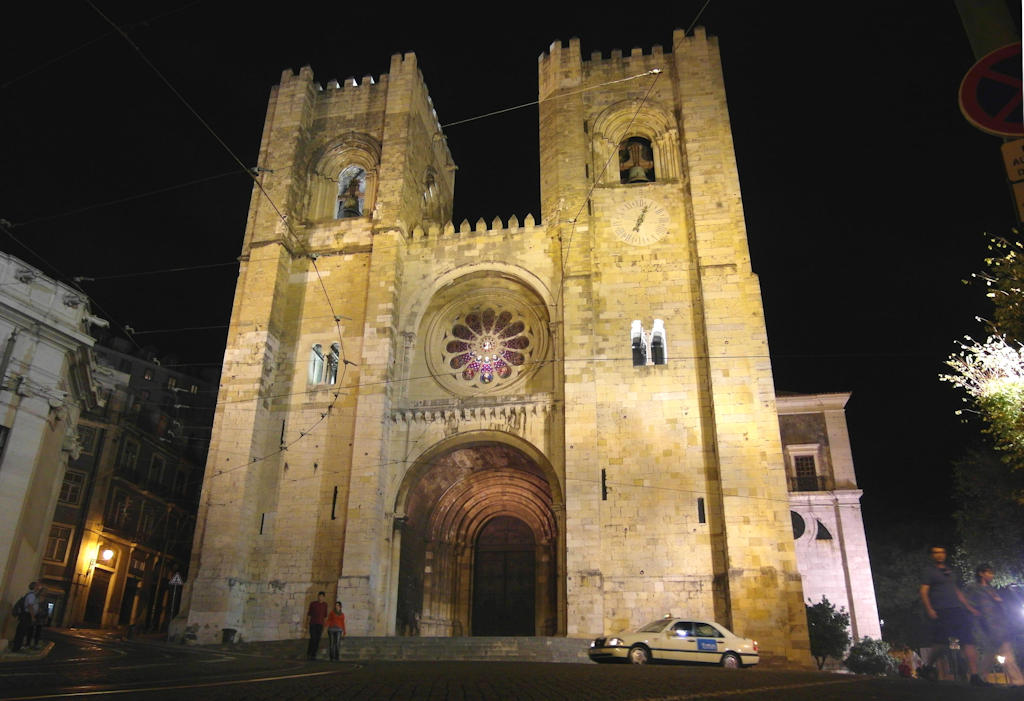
[636,161]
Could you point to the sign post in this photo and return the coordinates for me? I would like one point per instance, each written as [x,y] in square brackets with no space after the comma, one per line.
[177,582]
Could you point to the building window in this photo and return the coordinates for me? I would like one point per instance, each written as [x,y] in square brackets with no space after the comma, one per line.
[122,511]
[87,438]
[71,488]
[171,383]
[316,364]
[147,520]
[636,161]
[638,343]
[658,345]
[156,469]
[804,472]
[487,345]
[57,543]
[180,482]
[148,375]
[351,192]
[129,455]
[193,389]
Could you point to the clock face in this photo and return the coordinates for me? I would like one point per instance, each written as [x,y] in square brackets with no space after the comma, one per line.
[640,222]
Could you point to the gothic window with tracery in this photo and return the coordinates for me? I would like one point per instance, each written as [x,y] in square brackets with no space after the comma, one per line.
[351,192]
[486,345]
[636,161]
[333,359]
[316,364]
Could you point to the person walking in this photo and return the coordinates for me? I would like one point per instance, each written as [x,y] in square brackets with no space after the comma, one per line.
[335,630]
[945,605]
[41,619]
[26,608]
[316,615]
[994,633]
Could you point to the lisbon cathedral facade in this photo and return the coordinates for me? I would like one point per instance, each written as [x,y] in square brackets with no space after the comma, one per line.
[553,427]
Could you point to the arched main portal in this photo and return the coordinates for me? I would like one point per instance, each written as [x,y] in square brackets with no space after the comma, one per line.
[478,520]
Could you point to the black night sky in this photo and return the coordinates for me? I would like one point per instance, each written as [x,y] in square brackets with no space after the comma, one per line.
[866,192]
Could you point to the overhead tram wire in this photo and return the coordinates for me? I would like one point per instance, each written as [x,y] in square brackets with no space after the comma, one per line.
[254,174]
[122,200]
[56,59]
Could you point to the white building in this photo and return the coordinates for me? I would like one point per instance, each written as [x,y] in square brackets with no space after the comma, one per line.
[824,502]
[45,362]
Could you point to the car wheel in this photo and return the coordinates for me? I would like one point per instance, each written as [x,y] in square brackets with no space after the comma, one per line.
[639,655]
[731,661]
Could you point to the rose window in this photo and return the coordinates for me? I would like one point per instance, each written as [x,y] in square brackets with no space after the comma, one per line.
[487,344]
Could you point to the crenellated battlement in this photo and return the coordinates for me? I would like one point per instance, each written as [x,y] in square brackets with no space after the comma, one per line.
[365,89]
[562,66]
[497,228]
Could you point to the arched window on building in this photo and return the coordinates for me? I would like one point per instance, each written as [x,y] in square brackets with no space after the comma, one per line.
[658,346]
[316,364]
[332,364]
[351,192]
[636,161]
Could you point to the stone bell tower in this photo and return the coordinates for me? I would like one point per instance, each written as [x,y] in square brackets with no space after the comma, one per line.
[669,397]
[346,171]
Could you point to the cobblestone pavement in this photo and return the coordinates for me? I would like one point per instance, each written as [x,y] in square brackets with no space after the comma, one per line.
[95,668]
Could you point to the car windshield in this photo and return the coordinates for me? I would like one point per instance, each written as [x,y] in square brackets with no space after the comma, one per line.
[653,626]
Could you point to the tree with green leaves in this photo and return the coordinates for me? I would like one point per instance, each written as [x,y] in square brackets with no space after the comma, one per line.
[991,372]
[829,630]
[990,516]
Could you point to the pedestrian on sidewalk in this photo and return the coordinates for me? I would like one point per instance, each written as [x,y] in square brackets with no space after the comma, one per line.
[26,610]
[948,610]
[316,615]
[41,619]
[335,630]
[993,629]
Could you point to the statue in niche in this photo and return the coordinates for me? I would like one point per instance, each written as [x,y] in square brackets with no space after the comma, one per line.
[451,424]
[513,422]
[636,161]
[348,201]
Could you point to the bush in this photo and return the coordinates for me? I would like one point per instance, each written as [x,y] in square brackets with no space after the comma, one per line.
[828,629]
[870,657]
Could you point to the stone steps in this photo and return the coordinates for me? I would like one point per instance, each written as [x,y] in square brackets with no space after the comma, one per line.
[493,649]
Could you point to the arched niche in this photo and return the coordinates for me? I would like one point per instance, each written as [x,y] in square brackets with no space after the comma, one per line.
[650,124]
[354,158]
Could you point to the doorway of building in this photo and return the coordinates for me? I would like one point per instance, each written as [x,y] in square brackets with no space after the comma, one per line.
[97,597]
[131,586]
[504,584]
[479,540]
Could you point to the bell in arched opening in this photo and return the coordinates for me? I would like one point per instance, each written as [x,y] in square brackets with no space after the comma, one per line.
[636,161]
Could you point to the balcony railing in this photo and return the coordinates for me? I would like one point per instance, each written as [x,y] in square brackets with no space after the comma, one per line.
[811,483]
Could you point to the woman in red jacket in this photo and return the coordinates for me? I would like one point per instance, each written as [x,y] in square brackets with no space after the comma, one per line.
[335,629]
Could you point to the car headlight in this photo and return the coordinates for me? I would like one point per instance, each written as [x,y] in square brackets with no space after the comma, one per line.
[614,642]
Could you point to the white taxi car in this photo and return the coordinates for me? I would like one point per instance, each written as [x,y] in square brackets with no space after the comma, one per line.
[677,640]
